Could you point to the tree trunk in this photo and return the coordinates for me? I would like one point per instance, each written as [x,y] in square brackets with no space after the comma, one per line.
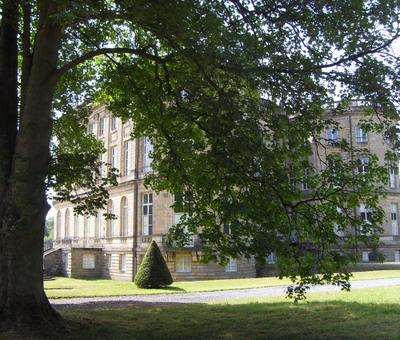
[23,205]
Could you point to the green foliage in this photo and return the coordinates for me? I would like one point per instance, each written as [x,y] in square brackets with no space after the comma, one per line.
[235,96]
[153,271]
[49,229]
[237,104]
[77,173]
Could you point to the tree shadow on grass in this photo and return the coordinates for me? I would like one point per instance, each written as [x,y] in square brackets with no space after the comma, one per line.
[315,320]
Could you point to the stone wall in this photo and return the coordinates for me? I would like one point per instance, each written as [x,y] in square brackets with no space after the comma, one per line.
[210,271]
[77,270]
[113,270]
[52,262]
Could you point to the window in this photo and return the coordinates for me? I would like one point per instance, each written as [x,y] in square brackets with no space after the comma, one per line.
[103,161]
[113,123]
[124,217]
[109,261]
[127,158]
[393,172]
[88,261]
[67,232]
[361,136]
[305,185]
[227,228]
[147,214]
[58,222]
[86,226]
[363,165]
[338,229]
[114,157]
[97,225]
[177,218]
[271,258]
[332,135]
[366,215]
[91,128]
[122,263]
[147,152]
[231,266]
[178,209]
[183,263]
[397,256]
[110,221]
[394,219]
[65,261]
[101,126]
[76,225]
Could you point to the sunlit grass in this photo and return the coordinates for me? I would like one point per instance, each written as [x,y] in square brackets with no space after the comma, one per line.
[65,288]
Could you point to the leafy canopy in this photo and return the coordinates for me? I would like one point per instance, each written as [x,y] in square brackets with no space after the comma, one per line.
[234,96]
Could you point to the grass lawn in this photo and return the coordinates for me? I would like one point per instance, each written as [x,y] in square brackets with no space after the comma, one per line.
[65,288]
[360,314]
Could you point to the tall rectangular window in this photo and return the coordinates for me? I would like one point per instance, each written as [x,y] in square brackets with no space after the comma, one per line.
[91,128]
[393,172]
[305,184]
[127,158]
[97,229]
[113,123]
[363,165]
[86,226]
[147,214]
[76,225]
[122,263]
[361,135]
[114,157]
[183,263]
[101,126]
[103,162]
[394,219]
[366,215]
[147,154]
[109,261]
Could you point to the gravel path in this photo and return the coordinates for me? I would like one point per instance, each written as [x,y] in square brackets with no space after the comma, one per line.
[202,297]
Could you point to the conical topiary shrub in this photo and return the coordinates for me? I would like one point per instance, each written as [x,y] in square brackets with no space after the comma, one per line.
[153,271]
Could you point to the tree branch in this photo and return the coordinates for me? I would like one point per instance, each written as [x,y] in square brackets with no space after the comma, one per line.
[360,54]
[103,51]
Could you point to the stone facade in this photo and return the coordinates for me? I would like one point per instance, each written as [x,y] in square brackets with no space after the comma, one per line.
[119,245]
[350,130]
[142,215]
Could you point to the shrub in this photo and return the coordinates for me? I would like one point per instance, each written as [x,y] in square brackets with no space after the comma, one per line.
[153,271]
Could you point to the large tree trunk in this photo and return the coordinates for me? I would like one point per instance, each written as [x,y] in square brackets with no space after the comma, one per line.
[23,205]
